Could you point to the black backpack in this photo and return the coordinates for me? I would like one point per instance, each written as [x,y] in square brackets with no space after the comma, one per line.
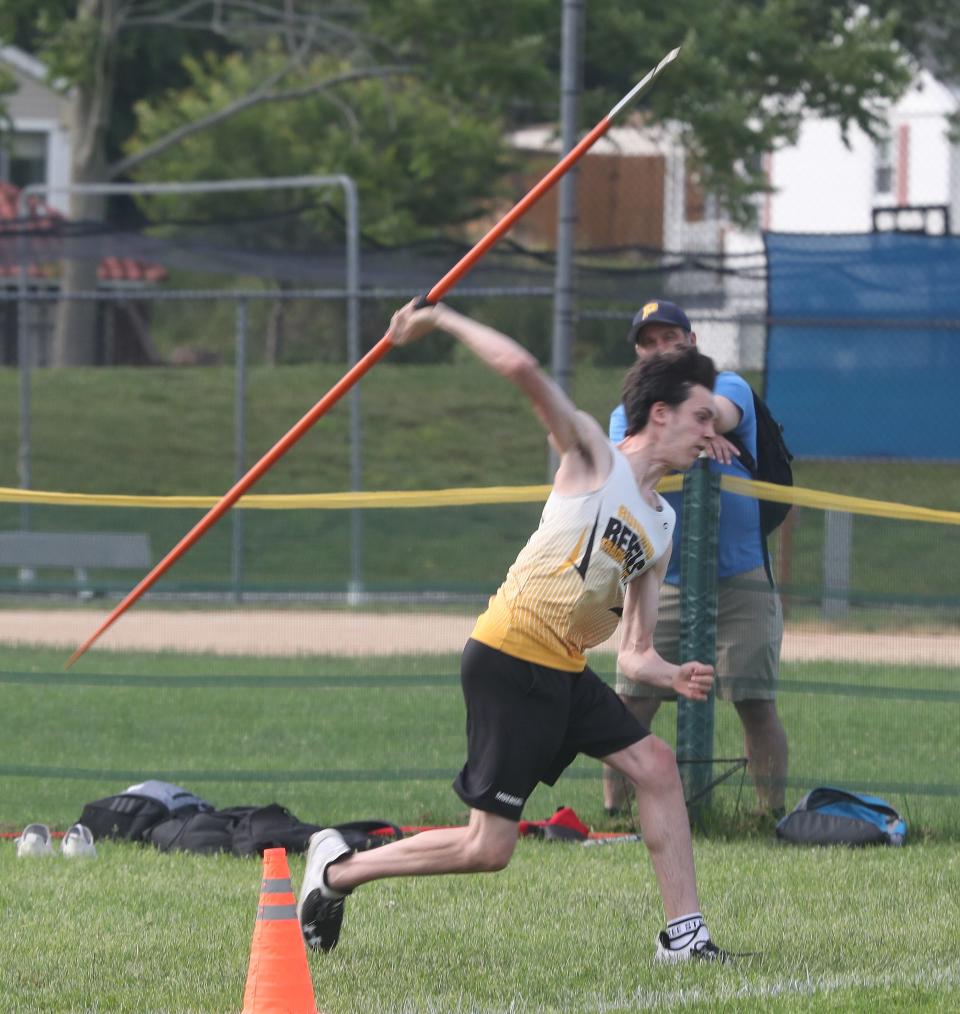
[129,815]
[772,464]
[174,819]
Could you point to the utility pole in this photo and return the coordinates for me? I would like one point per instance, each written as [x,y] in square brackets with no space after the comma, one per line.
[563,292]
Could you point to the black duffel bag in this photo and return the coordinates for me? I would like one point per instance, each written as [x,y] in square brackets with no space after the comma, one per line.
[248,830]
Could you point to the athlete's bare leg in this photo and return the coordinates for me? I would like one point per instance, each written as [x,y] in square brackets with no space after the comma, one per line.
[483,846]
[616,789]
[651,767]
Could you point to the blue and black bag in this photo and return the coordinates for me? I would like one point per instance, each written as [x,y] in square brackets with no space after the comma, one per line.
[828,816]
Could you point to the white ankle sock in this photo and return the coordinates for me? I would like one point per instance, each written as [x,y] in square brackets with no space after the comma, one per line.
[684,931]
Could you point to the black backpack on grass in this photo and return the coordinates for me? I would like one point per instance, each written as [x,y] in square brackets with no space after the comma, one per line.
[129,815]
[174,819]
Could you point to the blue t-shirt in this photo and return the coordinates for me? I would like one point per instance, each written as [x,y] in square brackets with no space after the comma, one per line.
[740,547]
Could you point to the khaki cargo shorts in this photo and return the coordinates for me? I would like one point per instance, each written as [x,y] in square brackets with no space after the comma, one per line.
[749,633]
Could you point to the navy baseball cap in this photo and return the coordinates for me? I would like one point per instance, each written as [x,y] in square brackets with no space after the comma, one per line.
[658,311]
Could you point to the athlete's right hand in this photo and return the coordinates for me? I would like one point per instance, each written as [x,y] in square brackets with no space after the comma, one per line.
[409,324]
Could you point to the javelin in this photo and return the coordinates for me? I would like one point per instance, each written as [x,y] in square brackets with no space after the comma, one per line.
[373,356]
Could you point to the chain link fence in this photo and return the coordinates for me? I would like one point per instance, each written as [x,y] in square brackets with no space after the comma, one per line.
[220,334]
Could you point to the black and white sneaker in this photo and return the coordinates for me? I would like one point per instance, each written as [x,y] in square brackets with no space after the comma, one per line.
[320,908]
[700,948]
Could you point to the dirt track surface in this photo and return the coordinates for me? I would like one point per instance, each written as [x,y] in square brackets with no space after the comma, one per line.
[327,632]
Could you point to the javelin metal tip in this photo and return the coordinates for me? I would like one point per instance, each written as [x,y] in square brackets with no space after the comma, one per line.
[645,84]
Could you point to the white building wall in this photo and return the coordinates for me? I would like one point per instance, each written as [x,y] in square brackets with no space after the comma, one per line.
[924,113]
[954,187]
[819,184]
[822,185]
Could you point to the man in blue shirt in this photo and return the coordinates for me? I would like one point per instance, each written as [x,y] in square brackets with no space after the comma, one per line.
[749,616]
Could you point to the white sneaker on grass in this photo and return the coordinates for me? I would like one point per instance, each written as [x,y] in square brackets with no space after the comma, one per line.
[78,843]
[34,840]
[320,908]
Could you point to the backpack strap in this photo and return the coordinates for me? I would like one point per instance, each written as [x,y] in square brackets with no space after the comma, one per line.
[746,458]
[749,463]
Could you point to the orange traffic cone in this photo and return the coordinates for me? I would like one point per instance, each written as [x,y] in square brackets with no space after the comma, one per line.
[278,979]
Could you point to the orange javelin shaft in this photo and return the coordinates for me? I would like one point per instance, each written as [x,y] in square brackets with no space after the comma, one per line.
[370,359]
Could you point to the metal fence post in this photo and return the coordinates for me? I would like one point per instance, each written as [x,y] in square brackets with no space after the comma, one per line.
[837,542]
[355,584]
[25,364]
[239,441]
[698,626]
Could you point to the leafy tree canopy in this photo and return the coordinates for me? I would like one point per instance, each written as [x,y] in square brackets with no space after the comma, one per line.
[420,161]
[750,69]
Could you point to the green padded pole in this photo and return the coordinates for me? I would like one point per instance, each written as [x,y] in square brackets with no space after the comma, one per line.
[698,624]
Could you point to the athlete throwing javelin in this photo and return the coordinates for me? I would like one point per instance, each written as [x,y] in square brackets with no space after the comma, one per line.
[533,704]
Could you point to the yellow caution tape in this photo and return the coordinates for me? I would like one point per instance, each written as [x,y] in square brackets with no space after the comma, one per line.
[467,496]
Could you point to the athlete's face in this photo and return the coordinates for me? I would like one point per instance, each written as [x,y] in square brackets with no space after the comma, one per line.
[687,428]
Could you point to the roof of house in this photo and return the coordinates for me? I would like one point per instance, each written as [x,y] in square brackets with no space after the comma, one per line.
[41,220]
[24,62]
[636,139]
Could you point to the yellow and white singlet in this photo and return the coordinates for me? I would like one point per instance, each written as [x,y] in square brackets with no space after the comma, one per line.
[564,593]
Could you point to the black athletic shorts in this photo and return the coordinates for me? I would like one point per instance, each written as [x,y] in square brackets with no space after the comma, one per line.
[527,722]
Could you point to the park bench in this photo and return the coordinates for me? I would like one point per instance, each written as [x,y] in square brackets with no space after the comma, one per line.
[29,551]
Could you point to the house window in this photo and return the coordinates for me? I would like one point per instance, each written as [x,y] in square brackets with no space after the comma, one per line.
[24,159]
[883,167]
[694,197]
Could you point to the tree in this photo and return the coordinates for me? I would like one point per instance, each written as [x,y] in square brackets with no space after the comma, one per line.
[83,41]
[421,162]
[748,73]
[392,138]
[751,68]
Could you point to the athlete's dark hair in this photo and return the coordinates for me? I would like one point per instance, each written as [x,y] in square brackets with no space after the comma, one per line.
[666,377]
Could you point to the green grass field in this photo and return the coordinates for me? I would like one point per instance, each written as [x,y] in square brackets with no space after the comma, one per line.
[563,930]
[425,427]
[346,739]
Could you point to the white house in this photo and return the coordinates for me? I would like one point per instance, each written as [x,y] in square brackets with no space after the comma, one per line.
[822,185]
[38,151]
[635,188]
[909,178]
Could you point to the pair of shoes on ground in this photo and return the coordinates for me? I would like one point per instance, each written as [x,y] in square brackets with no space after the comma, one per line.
[34,841]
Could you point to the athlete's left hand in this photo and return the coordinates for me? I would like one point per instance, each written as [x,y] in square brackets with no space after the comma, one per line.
[720,449]
[694,680]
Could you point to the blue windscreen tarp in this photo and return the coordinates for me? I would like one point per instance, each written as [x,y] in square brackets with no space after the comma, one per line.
[863,349]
